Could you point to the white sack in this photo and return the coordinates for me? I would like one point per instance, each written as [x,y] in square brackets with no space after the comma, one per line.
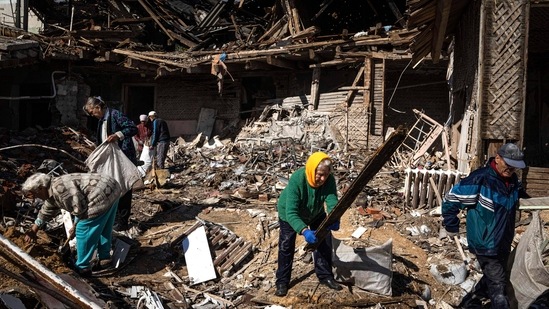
[367,268]
[108,159]
[146,157]
[529,276]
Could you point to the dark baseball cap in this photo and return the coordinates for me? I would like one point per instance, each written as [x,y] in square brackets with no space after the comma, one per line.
[512,155]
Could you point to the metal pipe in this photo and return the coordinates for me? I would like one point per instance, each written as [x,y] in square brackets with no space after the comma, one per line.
[38,97]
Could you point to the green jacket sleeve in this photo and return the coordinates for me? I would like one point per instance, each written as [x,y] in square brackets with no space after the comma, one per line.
[331,194]
[294,199]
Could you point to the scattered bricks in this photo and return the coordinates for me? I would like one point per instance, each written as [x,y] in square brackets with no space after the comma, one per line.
[263,197]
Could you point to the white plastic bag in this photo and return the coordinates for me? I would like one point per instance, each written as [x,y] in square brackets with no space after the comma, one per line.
[146,156]
[529,276]
[108,159]
[367,268]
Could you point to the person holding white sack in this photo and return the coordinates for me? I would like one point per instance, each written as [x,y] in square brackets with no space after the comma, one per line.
[143,136]
[115,127]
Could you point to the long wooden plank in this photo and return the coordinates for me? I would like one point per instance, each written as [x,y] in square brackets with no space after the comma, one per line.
[538,169]
[375,163]
[535,186]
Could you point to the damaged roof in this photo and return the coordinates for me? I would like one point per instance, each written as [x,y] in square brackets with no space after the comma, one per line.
[183,34]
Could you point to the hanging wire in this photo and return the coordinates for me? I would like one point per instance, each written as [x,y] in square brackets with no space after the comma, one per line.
[396,87]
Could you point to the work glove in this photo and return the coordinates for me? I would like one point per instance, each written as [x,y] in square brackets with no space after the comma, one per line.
[443,233]
[309,236]
[334,226]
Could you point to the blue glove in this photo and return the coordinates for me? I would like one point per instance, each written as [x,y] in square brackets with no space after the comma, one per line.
[334,226]
[309,236]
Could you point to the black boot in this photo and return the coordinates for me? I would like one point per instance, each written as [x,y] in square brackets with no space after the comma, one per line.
[281,289]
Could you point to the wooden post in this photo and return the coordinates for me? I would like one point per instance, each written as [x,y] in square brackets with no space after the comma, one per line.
[367,94]
[315,84]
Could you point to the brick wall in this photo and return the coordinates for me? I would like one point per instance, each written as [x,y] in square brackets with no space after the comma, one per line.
[179,101]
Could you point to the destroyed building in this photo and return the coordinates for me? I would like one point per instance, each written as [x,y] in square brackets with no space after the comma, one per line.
[462,76]
[157,56]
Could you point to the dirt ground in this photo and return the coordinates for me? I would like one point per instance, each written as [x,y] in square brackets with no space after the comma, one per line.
[164,214]
[160,216]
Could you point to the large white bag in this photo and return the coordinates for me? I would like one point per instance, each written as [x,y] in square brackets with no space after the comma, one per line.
[367,268]
[529,276]
[108,159]
[147,157]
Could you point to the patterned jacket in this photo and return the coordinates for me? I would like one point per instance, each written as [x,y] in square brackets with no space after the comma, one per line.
[84,195]
[491,205]
[118,122]
[300,204]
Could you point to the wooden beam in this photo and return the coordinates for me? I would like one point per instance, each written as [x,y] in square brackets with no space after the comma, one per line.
[439,31]
[397,13]
[256,65]
[147,58]
[282,63]
[315,85]
[62,287]
[352,93]
[374,165]
[156,19]
[279,24]
[201,69]
[368,64]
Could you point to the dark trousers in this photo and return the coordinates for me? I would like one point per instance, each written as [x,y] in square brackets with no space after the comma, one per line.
[124,208]
[322,256]
[161,153]
[493,282]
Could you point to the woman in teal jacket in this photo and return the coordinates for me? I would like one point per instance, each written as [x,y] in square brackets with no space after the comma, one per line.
[301,210]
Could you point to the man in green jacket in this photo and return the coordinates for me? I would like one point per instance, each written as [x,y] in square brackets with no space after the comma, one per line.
[300,211]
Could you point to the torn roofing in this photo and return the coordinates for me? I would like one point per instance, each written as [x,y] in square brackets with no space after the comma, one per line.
[204,25]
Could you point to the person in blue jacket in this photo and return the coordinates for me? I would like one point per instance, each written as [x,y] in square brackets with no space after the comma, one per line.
[301,210]
[115,127]
[160,138]
[490,197]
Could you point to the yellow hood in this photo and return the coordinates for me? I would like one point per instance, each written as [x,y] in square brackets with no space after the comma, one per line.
[312,164]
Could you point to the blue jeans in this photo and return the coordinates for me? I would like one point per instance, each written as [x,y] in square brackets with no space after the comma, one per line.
[322,256]
[94,233]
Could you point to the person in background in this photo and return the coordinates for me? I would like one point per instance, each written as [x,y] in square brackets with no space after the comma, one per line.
[91,198]
[114,126]
[490,195]
[301,211]
[143,134]
[160,140]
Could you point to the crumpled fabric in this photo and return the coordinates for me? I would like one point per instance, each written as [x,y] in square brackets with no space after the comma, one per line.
[529,275]
[109,159]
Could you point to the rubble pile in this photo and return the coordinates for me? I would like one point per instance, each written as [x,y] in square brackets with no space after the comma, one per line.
[226,190]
